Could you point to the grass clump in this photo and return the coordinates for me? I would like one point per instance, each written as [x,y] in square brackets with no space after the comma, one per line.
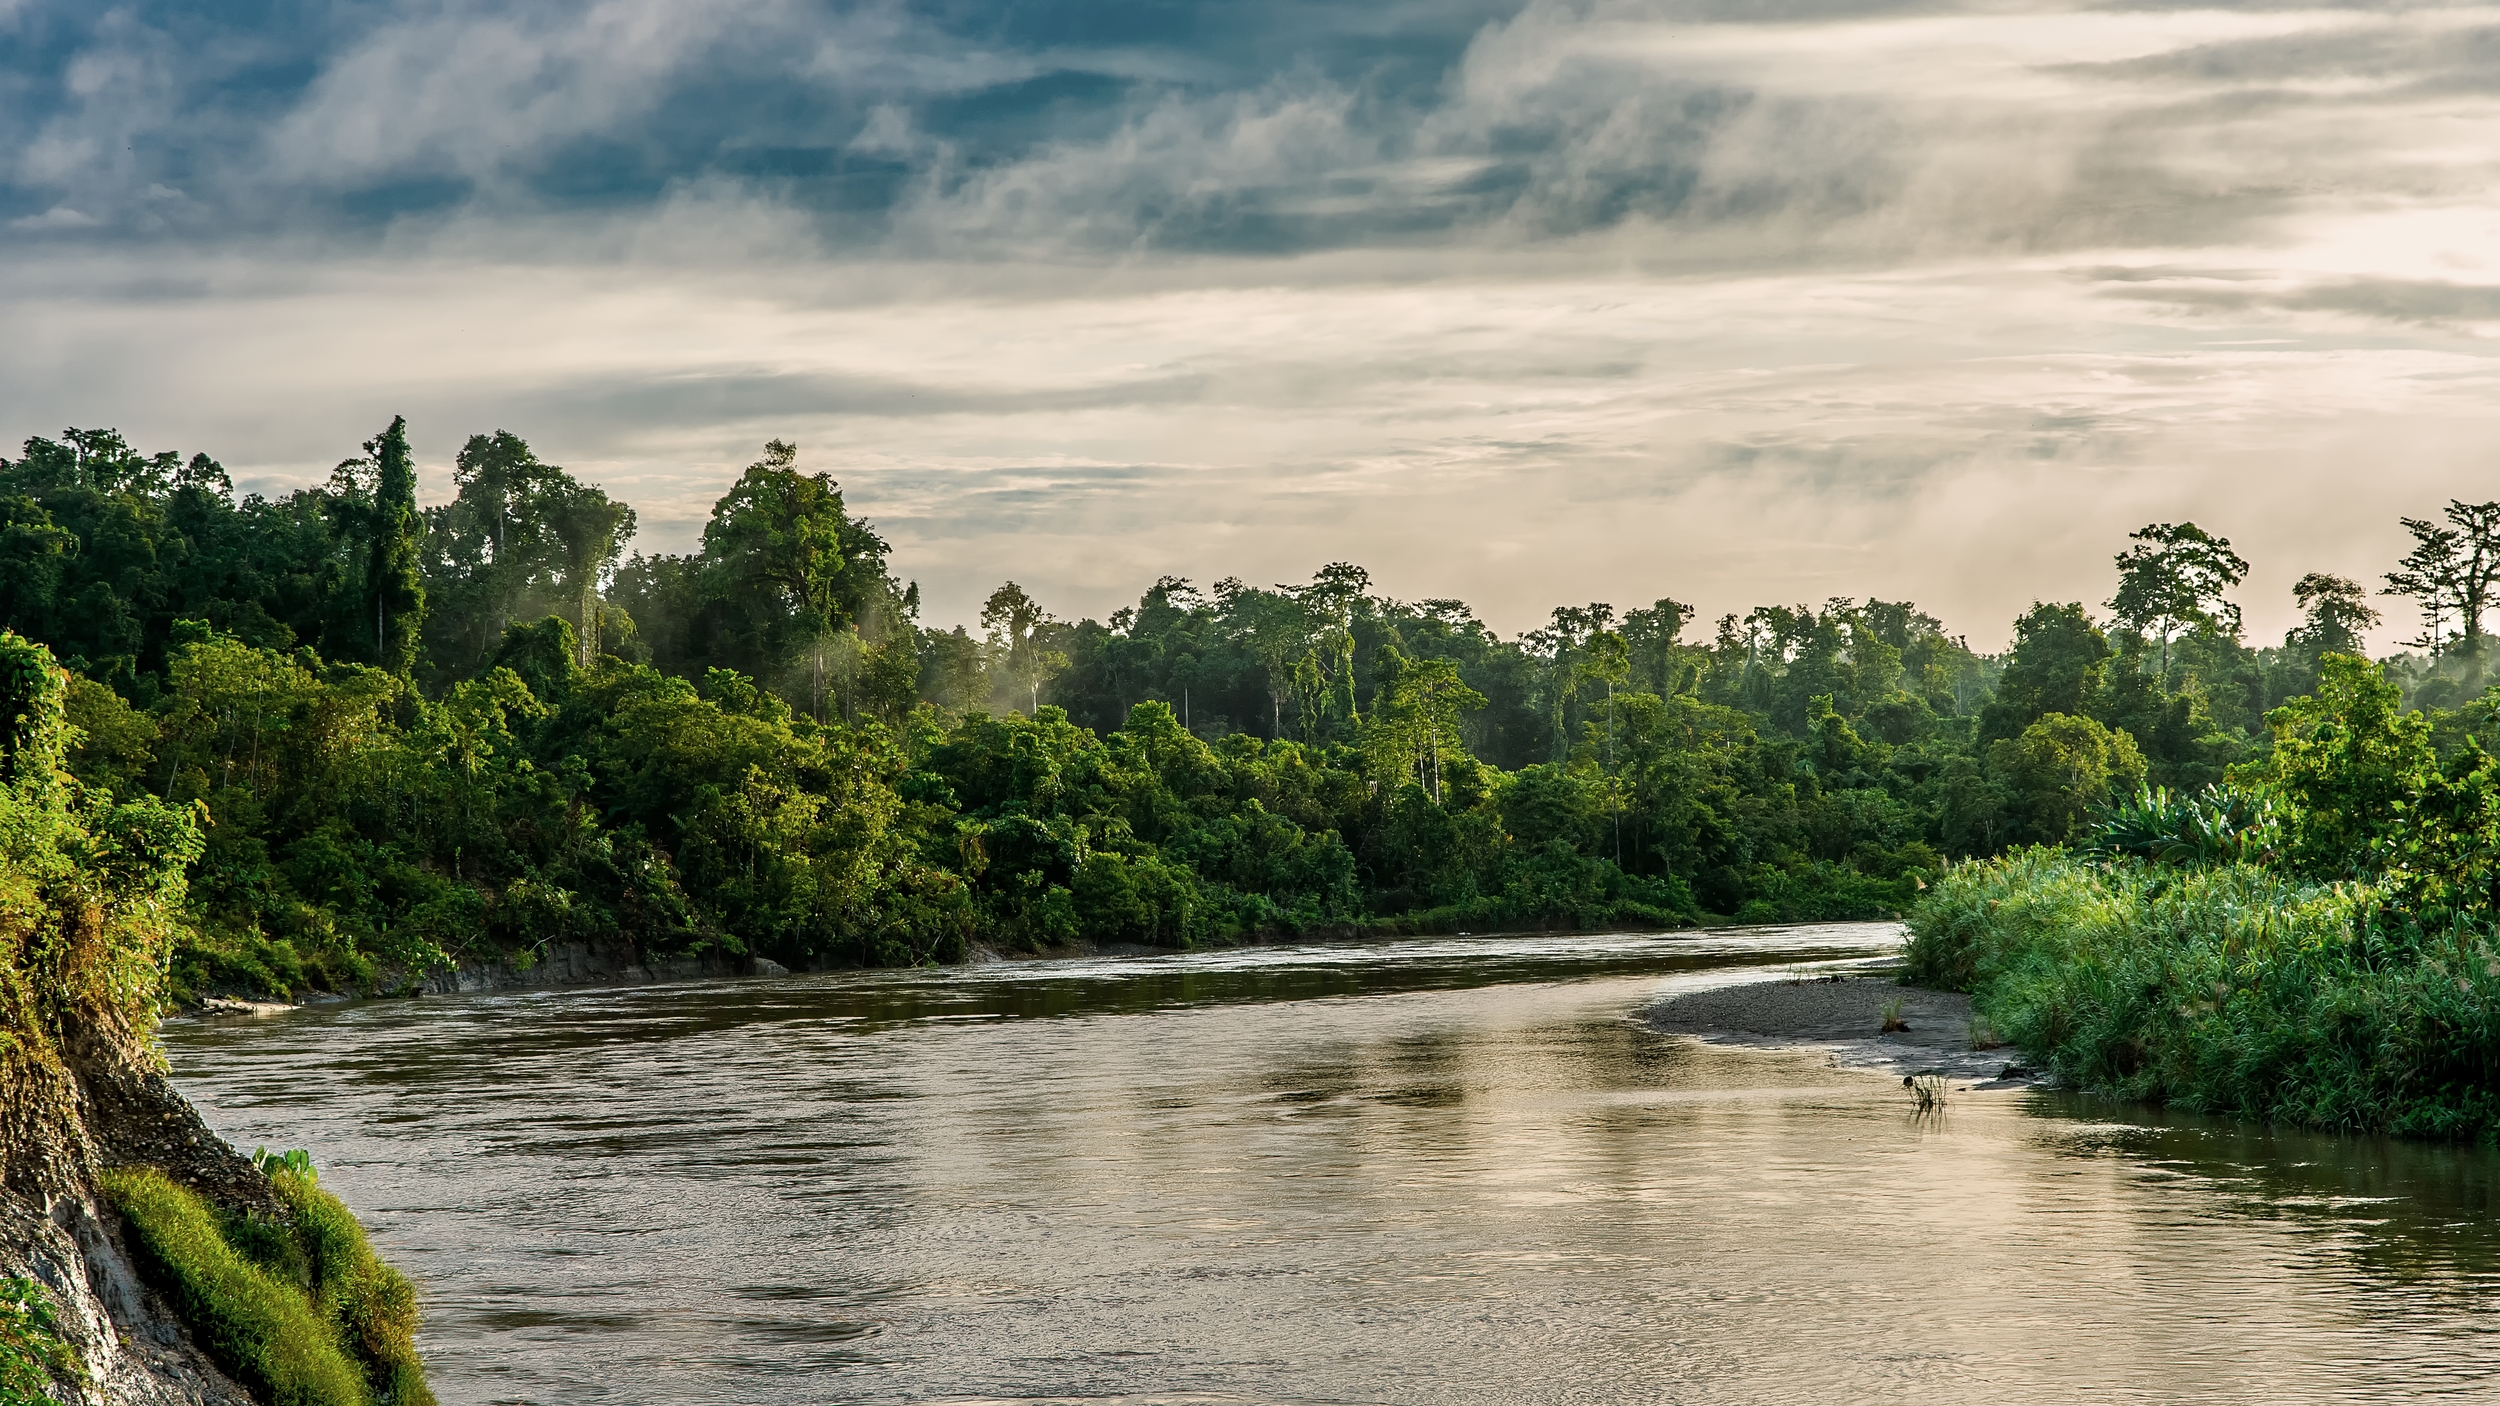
[371,1306]
[1927,1090]
[299,1310]
[258,1327]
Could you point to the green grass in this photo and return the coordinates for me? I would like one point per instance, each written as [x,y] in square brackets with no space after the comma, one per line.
[299,1311]
[2229,989]
[261,1330]
[372,1306]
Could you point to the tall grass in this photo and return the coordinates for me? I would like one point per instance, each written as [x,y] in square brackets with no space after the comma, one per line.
[300,1311]
[372,1306]
[260,1329]
[2229,989]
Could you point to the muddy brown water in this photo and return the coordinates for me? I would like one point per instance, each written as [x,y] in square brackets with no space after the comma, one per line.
[1431,1171]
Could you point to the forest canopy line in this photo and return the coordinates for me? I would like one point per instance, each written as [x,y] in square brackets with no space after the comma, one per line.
[418,736]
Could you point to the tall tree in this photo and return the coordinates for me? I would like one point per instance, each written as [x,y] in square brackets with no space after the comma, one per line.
[1650,635]
[593,527]
[2452,574]
[393,586]
[1414,723]
[1019,640]
[1559,646]
[1330,601]
[1277,629]
[2055,667]
[786,567]
[2171,581]
[2337,612]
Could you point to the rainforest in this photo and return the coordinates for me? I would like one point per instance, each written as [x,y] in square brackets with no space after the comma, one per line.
[419,736]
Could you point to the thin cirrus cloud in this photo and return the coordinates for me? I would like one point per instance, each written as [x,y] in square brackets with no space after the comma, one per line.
[1527,304]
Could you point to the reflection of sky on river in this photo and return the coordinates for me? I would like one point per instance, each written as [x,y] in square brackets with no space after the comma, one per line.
[1408,1173]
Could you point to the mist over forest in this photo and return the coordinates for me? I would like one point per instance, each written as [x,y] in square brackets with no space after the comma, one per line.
[421,736]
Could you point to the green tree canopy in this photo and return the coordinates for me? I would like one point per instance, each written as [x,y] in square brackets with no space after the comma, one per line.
[2172,580]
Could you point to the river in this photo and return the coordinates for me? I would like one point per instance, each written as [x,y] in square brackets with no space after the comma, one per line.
[1428,1171]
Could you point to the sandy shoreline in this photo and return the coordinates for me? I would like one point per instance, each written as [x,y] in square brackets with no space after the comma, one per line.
[1844,1016]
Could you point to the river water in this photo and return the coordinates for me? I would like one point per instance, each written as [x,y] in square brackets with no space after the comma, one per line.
[1430,1171]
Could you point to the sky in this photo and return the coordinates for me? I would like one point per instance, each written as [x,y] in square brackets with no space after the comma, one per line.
[1524,304]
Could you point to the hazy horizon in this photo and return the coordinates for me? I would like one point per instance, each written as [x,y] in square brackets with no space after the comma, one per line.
[1527,305]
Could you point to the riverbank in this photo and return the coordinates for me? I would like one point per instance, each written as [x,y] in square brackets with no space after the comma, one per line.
[1846,1017]
[143,1261]
[2232,989]
[565,965]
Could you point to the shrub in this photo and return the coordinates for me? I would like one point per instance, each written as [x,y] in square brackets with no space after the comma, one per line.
[33,1354]
[2231,989]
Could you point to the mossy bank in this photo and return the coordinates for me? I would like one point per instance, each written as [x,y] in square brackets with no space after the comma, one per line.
[142,1260]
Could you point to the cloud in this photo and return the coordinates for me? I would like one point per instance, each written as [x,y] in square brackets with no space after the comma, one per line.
[1531,303]
[473,94]
[56,219]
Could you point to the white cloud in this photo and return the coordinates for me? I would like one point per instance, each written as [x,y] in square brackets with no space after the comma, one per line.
[58,218]
[462,90]
[1934,307]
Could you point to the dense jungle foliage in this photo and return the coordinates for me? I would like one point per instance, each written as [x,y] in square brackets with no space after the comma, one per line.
[2311,941]
[93,905]
[417,735]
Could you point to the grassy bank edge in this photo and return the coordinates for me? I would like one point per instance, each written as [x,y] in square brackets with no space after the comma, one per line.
[2229,989]
[300,1311]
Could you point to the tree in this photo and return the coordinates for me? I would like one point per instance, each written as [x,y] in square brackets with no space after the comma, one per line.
[592,528]
[2172,581]
[785,567]
[2451,573]
[1277,628]
[1650,634]
[2060,770]
[1414,722]
[2055,667]
[1017,627]
[491,554]
[1609,659]
[393,585]
[2347,760]
[1559,646]
[2337,613]
[1329,603]
[950,669]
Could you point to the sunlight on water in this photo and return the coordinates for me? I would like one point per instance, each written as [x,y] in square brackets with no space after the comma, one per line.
[1452,1170]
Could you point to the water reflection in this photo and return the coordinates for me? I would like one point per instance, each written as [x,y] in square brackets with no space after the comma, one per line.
[1419,1172]
[2418,1216]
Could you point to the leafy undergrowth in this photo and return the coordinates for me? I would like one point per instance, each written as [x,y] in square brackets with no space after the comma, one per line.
[33,1354]
[2231,989]
[298,1310]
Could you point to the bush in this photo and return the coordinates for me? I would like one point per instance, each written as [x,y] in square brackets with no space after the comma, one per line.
[33,1354]
[2231,990]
